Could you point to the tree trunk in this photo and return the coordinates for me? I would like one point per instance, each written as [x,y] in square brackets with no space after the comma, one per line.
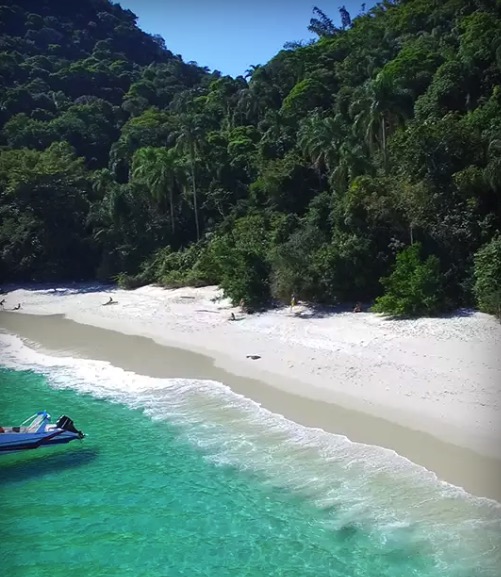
[383,140]
[171,203]
[194,189]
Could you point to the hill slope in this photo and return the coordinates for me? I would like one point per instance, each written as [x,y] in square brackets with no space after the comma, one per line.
[378,141]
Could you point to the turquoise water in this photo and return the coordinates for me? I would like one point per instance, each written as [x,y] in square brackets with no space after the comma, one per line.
[174,480]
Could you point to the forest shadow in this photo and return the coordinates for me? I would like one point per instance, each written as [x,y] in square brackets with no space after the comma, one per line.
[63,289]
[460,313]
[311,311]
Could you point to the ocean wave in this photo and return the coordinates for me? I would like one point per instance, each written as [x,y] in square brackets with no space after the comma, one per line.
[364,484]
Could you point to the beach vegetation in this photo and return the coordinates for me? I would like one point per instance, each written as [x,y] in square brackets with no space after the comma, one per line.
[370,152]
[414,287]
[487,272]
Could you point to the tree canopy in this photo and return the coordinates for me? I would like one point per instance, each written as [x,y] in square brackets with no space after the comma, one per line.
[315,173]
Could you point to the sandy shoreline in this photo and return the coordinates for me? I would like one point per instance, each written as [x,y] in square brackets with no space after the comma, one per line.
[439,376]
[478,474]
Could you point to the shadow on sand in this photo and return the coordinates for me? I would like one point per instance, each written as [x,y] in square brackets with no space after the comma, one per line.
[464,313]
[460,313]
[324,311]
[38,463]
[320,311]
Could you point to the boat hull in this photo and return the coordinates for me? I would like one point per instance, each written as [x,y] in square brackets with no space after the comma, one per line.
[10,442]
[44,434]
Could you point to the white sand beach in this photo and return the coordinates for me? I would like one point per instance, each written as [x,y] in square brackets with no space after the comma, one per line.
[440,376]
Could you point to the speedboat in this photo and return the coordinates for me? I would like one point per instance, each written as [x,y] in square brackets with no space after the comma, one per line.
[38,431]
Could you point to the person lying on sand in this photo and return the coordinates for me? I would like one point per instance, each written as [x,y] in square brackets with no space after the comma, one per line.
[17,307]
[110,302]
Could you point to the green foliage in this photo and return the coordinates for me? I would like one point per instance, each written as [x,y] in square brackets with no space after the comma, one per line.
[414,288]
[118,160]
[346,269]
[487,274]
[240,261]
[37,188]
[305,96]
[173,269]
[293,270]
[132,281]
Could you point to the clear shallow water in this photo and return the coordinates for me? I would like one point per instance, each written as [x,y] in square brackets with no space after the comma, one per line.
[184,478]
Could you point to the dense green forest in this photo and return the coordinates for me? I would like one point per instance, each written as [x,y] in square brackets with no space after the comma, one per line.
[362,166]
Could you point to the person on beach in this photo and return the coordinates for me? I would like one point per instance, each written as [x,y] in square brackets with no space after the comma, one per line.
[2,303]
[293,301]
[17,307]
[110,302]
[358,308]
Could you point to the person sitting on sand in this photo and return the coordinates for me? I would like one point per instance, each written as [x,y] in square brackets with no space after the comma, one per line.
[17,307]
[232,317]
[358,308]
[110,302]
[2,302]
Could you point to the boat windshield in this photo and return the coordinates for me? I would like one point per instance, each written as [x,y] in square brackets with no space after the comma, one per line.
[36,421]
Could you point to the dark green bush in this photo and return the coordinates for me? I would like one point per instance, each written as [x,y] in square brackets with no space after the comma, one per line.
[240,261]
[414,288]
[487,274]
[188,267]
[131,281]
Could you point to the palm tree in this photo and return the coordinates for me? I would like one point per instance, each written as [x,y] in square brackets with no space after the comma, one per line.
[328,144]
[108,217]
[102,180]
[158,168]
[253,68]
[249,105]
[352,161]
[318,138]
[379,111]
[492,171]
[189,139]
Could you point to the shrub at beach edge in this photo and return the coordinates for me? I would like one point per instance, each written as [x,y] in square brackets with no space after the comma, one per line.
[487,273]
[414,288]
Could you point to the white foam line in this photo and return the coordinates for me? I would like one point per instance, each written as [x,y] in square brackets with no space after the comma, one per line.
[103,380]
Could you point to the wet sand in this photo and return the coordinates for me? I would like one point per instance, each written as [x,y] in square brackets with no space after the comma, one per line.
[55,335]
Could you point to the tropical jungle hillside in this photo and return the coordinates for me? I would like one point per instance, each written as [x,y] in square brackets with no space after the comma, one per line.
[362,166]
